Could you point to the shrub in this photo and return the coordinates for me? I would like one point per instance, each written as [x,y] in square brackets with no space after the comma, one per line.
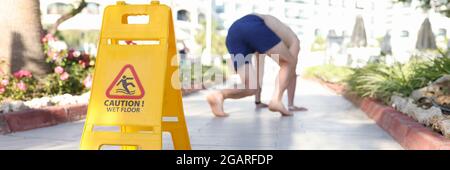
[22,85]
[71,69]
[72,73]
[430,70]
[381,81]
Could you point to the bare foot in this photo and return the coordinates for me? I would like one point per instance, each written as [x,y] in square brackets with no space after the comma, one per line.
[261,105]
[278,107]
[297,109]
[215,101]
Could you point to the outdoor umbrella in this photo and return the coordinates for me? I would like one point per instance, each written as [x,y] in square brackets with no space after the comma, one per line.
[386,47]
[359,38]
[425,38]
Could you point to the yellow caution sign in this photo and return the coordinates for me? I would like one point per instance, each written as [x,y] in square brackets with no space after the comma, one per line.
[133,99]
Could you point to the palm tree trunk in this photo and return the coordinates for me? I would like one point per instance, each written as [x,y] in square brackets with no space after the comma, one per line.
[20,40]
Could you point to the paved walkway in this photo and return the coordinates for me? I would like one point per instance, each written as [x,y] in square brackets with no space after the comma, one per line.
[331,123]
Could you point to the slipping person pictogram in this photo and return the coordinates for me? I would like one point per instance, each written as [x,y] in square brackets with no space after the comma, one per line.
[124,82]
[126,85]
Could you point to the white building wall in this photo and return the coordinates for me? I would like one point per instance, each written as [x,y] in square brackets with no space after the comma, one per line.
[303,16]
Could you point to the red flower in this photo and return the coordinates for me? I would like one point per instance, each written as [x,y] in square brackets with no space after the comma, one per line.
[22,73]
[85,59]
[71,54]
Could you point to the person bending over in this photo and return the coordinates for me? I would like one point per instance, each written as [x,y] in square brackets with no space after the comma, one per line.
[260,35]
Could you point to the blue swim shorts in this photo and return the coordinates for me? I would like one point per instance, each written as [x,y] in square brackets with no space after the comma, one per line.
[248,35]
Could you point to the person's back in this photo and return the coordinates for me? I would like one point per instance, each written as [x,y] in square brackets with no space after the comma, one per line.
[282,30]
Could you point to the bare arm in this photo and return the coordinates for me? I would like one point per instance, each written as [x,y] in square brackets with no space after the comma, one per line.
[259,73]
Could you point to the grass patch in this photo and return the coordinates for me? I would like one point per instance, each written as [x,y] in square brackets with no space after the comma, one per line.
[329,73]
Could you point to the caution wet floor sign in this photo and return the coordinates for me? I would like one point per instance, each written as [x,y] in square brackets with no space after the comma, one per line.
[132,98]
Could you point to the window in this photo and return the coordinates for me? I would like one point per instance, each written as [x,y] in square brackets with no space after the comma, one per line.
[442,32]
[220,6]
[59,8]
[404,34]
[318,2]
[360,4]
[201,18]
[220,9]
[183,15]
[317,32]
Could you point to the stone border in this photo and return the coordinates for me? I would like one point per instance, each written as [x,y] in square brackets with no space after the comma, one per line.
[409,133]
[48,116]
[37,118]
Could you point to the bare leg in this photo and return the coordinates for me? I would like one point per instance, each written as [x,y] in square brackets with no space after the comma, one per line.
[260,72]
[293,44]
[280,53]
[216,99]
[294,49]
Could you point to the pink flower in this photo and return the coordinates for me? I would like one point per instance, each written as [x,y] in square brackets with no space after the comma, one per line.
[4,82]
[88,82]
[64,76]
[51,54]
[22,86]
[59,70]
[47,38]
[76,54]
[22,73]
[2,89]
